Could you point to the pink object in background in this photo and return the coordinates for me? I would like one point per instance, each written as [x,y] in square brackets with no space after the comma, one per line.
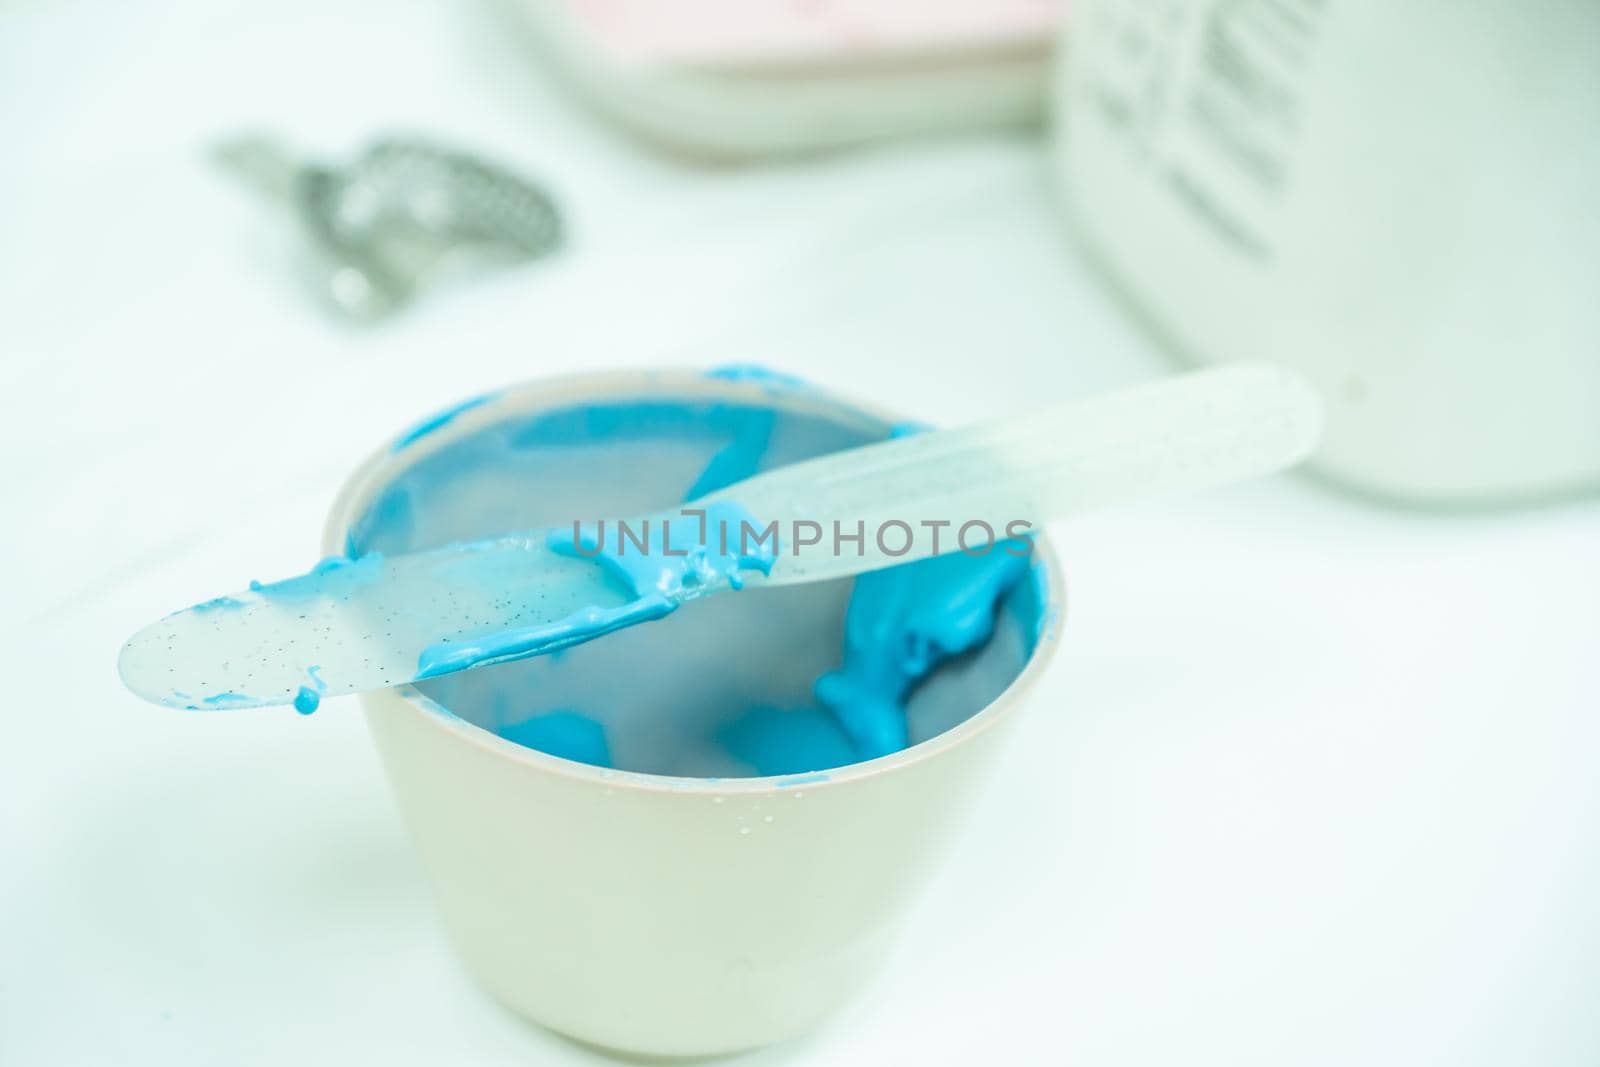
[719,32]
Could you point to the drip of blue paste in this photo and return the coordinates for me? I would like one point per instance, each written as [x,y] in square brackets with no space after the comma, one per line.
[309,697]
[671,568]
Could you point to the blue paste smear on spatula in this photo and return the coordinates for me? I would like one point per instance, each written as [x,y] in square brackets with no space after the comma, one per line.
[654,577]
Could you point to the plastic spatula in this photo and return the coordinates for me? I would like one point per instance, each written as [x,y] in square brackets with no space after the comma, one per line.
[354,625]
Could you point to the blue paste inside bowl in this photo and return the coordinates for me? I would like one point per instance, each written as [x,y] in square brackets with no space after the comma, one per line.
[779,681]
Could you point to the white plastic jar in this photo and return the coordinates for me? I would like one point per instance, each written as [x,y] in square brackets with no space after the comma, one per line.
[1400,200]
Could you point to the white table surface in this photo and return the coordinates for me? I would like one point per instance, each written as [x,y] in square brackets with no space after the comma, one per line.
[1313,782]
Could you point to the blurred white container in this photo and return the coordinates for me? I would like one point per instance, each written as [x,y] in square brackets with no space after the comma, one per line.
[1400,200]
[745,78]
[664,915]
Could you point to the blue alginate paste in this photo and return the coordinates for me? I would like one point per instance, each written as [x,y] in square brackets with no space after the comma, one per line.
[772,740]
[218,603]
[309,697]
[757,374]
[793,780]
[439,420]
[902,623]
[740,458]
[672,567]
[567,733]
[330,577]
[562,733]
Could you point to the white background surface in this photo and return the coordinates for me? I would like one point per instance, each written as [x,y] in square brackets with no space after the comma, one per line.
[1313,783]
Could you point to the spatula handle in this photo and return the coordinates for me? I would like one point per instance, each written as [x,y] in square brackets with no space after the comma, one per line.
[1178,434]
